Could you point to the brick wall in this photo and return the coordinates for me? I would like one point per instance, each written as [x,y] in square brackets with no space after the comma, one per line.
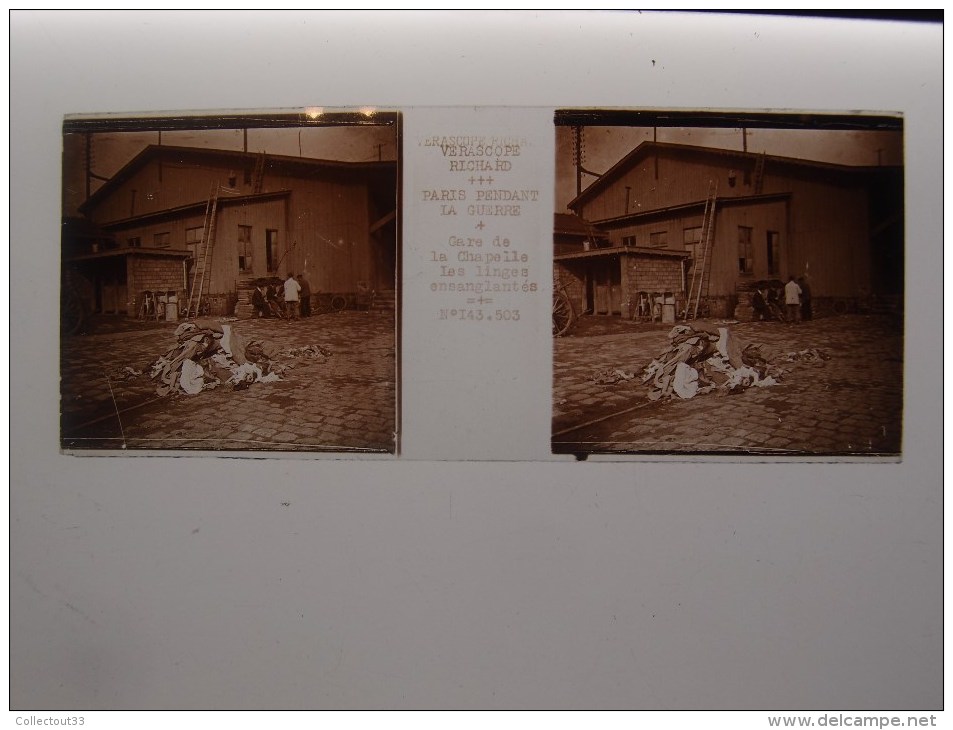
[153,274]
[650,274]
[573,281]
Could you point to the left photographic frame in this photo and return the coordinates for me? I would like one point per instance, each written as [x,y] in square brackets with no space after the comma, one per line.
[229,282]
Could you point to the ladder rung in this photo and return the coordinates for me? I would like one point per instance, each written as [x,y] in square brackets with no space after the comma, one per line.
[701,273]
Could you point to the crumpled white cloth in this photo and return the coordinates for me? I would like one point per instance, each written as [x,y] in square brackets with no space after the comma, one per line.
[686,381]
[252,373]
[191,380]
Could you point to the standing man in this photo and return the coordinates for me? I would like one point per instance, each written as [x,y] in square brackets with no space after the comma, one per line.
[259,299]
[305,296]
[792,297]
[292,290]
[759,304]
[806,313]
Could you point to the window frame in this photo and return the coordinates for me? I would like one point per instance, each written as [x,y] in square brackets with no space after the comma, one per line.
[691,246]
[245,253]
[774,253]
[745,250]
[271,249]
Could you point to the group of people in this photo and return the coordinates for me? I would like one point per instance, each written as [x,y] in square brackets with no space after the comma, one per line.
[796,296]
[289,300]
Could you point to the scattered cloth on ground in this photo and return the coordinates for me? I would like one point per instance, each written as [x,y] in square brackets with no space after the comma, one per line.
[244,375]
[208,354]
[120,374]
[610,376]
[703,358]
[685,384]
[190,379]
[307,351]
[810,355]
[233,345]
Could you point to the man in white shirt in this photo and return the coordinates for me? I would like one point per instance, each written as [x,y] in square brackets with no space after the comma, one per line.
[292,289]
[792,297]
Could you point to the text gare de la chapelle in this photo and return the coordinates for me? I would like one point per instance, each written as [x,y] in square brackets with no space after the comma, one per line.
[480,262]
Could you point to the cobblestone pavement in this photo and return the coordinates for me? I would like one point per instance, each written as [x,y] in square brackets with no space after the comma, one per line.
[848,405]
[346,402]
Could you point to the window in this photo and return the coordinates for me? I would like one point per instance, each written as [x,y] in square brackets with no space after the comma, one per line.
[162,240]
[691,237]
[745,252]
[774,252]
[271,249]
[659,239]
[244,248]
[134,242]
[628,241]
[193,237]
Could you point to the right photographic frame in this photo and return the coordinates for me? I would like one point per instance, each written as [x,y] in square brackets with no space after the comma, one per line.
[728,284]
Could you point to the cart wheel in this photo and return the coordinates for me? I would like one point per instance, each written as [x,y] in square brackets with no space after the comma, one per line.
[71,313]
[338,303]
[562,315]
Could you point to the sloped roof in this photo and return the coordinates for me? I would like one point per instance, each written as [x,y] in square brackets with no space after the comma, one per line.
[293,165]
[635,251]
[573,225]
[692,205]
[173,253]
[76,228]
[197,207]
[568,223]
[669,148]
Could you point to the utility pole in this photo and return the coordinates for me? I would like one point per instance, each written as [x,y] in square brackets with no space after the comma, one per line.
[89,165]
[654,141]
[89,154]
[577,154]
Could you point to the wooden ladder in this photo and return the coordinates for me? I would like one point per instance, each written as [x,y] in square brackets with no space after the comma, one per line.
[203,259]
[759,174]
[701,272]
[258,180]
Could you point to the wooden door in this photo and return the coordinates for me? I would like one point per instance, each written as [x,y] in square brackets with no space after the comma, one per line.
[606,279]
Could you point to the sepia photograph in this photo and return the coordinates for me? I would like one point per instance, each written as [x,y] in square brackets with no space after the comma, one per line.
[229,282]
[254,468]
[728,284]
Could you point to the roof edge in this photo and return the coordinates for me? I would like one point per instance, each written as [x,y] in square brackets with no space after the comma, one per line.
[198,205]
[648,145]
